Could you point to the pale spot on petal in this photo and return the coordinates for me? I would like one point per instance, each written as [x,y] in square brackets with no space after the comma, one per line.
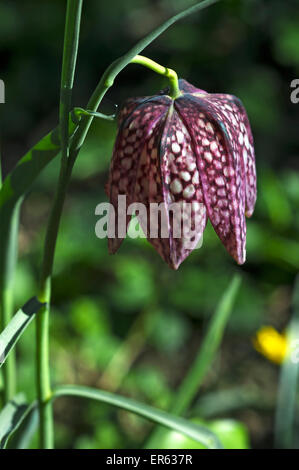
[180,137]
[213,146]
[191,166]
[210,128]
[228,171]
[220,181]
[175,147]
[176,186]
[246,141]
[189,191]
[208,156]
[185,175]
[221,192]
[195,178]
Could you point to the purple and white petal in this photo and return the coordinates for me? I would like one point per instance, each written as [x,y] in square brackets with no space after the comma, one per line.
[134,128]
[221,171]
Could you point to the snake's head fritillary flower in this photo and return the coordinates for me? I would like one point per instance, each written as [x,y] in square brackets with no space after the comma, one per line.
[196,149]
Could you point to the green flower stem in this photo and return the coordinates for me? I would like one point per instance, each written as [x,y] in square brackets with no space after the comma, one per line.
[9,368]
[174,91]
[105,83]
[7,272]
[191,430]
[71,42]
[71,39]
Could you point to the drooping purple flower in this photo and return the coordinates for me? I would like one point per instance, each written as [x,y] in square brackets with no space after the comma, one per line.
[196,149]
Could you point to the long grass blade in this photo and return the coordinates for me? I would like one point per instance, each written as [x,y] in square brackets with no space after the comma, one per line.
[22,434]
[12,413]
[195,376]
[16,327]
[198,433]
[288,383]
[123,61]
[19,181]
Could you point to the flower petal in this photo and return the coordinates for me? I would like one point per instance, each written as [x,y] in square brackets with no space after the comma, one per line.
[186,87]
[221,170]
[137,119]
[169,177]
[235,112]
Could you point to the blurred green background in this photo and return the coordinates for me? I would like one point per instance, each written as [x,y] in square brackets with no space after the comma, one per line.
[127,322]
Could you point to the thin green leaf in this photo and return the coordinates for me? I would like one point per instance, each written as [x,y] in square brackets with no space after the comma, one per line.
[8,261]
[10,417]
[118,65]
[19,181]
[208,350]
[194,378]
[16,327]
[21,437]
[288,383]
[70,51]
[181,425]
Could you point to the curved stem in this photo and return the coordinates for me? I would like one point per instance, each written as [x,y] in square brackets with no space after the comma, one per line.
[71,39]
[105,83]
[181,425]
[161,70]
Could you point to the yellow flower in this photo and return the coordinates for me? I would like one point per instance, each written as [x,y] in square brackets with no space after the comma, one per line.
[272,344]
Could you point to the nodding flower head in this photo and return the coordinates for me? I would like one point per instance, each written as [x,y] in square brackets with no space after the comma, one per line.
[196,149]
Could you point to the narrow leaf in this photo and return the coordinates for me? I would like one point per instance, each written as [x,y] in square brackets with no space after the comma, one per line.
[8,261]
[21,437]
[19,181]
[203,362]
[194,431]
[10,417]
[288,383]
[123,61]
[208,350]
[16,327]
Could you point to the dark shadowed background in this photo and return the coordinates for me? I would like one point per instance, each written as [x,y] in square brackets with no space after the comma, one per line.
[127,322]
